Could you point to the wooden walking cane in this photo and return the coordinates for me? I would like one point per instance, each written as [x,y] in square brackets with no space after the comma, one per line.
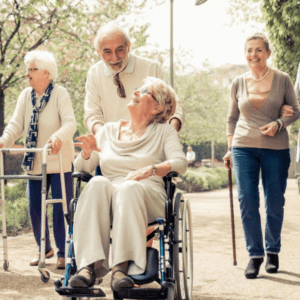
[232,214]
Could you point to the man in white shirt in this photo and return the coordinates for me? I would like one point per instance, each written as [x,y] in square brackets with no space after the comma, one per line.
[191,157]
[111,81]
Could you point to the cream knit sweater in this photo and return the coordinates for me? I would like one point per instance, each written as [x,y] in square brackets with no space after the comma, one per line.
[56,119]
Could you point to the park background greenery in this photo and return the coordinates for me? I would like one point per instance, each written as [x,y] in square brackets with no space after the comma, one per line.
[68,27]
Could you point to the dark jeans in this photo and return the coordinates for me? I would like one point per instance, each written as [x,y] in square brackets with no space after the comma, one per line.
[33,191]
[274,165]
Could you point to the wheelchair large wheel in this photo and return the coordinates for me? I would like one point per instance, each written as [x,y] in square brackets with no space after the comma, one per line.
[183,248]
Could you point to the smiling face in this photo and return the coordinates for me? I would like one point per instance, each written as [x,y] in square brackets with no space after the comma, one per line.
[143,103]
[257,54]
[37,78]
[114,51]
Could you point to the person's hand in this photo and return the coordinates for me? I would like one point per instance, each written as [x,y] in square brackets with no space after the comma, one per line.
[175,123]
[1,145]
[286,111]
[139,174]
[269,129]
[56,144]
[87,144]
[227,160]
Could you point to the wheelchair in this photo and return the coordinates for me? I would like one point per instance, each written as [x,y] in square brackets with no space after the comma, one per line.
[171,267]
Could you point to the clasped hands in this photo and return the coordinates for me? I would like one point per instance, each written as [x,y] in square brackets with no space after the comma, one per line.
[271,128]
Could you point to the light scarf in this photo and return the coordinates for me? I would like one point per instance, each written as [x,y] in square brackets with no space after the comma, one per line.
[32,135]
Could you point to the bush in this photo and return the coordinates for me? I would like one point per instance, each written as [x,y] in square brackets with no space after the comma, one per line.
[204,179]
[12,163]
[17,209]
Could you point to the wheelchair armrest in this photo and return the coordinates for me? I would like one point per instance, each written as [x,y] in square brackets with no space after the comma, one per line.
[83,176]
[172,174]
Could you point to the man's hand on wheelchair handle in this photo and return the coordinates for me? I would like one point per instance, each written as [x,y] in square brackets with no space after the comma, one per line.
[87,144]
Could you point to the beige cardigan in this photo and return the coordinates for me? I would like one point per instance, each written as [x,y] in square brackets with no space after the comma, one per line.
[56,119]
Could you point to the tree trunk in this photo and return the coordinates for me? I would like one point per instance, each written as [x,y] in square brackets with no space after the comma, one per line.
[212,154]
[1,111]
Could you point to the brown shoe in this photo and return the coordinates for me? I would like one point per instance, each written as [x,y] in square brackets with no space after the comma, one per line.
[60,265]
[35,261]
[85,277]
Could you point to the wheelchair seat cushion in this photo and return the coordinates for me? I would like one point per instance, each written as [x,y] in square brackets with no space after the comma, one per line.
[151,271]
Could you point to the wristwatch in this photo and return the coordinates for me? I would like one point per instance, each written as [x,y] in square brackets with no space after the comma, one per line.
[153,170]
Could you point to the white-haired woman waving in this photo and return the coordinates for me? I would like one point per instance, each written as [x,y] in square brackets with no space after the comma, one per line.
[134,156]
[44,114]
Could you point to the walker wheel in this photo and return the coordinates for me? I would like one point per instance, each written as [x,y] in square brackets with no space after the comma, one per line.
[5,265]
[45,278]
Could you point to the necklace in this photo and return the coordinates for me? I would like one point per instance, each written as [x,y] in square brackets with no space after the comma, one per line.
[260,79]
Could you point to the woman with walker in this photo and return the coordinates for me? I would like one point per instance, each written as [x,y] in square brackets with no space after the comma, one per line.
[258,142]
[44,114]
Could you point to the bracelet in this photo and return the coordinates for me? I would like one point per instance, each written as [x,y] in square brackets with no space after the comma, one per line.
[278,125]
[154,170]
[229,149]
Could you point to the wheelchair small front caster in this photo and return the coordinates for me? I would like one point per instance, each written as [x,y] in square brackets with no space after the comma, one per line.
[57,283]
[5,265]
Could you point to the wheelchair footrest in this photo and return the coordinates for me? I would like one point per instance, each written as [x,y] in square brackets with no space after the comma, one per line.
[80,292]
[141,293]
[151,272]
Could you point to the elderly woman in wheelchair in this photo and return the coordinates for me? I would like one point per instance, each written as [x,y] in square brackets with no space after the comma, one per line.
[134,156]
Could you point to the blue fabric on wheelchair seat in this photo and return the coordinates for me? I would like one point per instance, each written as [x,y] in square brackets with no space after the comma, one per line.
[151,272]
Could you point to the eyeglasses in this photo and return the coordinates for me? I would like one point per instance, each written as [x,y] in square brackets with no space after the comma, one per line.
[120,90]
[144,91]
[31,70]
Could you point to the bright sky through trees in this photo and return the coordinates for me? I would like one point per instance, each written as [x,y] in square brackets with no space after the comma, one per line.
[204,31]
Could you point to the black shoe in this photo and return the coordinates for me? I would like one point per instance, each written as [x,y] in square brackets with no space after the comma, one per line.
[272,263]
[252,269]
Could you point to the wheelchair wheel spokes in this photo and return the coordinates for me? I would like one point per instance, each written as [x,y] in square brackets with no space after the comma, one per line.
[183,249]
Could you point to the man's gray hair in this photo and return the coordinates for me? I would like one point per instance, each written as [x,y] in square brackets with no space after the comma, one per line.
[108,29]
[44,60]
[165,96]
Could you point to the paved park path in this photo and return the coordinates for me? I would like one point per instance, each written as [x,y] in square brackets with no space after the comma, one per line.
[215,276]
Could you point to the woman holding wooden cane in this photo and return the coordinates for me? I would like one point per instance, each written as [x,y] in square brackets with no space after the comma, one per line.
[258,142]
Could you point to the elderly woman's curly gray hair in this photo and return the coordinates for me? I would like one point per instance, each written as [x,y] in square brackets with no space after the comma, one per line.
[165,96]
[43,60]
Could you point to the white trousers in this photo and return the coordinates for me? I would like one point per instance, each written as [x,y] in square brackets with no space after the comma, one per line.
[129,206]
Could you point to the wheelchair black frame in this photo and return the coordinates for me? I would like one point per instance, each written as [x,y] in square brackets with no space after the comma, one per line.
[165,231]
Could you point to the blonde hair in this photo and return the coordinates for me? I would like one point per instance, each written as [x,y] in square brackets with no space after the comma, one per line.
[165,96]
[44,60]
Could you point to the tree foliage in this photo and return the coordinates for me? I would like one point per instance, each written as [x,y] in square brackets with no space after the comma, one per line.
[205,108]
[65,27]
[282,19]
[283,24]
